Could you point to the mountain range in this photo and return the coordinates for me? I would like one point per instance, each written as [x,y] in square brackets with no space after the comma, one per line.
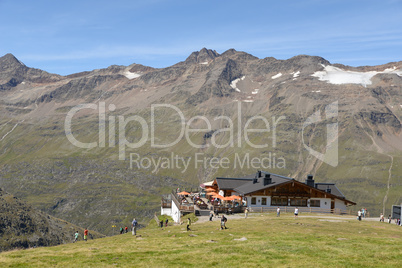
[99,147]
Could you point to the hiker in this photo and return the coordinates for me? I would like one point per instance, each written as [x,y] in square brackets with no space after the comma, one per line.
[278,212]
[296,212]
[389,219]
[359,215]
[363,213]
[381,217]
[134,226]
[246,213]
[126,229]
[121,230]
[76,236]
[211,214]
[223,222]
[161,223]
[85,234]
[188,224]
[166,222]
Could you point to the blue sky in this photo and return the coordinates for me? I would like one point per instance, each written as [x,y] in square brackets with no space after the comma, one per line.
[65,37]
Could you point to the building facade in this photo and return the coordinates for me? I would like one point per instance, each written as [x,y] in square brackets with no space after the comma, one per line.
[264,190]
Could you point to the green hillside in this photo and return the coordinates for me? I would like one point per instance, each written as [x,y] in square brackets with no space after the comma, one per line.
[259,241]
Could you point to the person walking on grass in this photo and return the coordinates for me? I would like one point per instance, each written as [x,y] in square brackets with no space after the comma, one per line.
[278,212]
[211,214]
[188,224]
[86,234]
[359,215]
[166,222]
[296,212]
[134,226]
[76,236]
[246,213]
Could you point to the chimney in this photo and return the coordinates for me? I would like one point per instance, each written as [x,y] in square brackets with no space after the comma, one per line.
[258,173]
[328,190]
[310,181]
[255,181]
[267,179]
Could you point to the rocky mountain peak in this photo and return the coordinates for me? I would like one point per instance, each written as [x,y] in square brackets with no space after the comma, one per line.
[238,55]
[203,56]
[9,62]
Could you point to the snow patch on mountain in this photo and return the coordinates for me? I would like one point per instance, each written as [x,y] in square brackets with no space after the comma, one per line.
[337,76]
[276,76]
[255,91]
[233,84]
[131,75]
[296,74]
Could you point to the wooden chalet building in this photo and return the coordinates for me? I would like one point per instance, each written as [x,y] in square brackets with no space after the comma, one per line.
[265,190]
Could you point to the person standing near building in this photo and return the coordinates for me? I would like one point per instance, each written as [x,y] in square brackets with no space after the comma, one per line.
[359,215]
[223,222]
[85,234]
[296,212]
[278,212]
[134,226]
[246,213]
[188,224]
[211,215]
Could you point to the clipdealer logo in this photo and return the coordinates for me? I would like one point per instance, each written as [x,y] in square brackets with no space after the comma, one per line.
[330,156]
[239,134]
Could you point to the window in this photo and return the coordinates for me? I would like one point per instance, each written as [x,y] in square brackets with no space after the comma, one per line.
[264,201]
[253,200]
[298,202]
[279,201]
[315,203]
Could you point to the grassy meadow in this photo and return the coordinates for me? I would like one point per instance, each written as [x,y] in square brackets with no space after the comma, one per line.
[262,240]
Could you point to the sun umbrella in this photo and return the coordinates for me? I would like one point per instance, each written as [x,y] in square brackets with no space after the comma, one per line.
[183,193]
[211,193]
[210,190]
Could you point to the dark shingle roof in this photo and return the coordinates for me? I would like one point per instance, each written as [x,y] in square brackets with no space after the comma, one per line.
[334,190]
[252,186]
[231,183]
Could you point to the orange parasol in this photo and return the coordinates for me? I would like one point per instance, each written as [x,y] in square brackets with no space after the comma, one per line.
[183,193]
[235,197]
[210,190]
[211,193]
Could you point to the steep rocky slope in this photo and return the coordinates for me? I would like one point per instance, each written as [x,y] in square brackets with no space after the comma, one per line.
[22,226]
